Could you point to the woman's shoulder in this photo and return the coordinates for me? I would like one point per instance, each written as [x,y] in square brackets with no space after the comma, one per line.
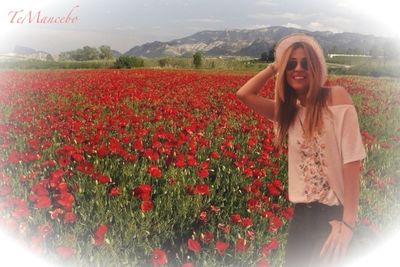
[338,96]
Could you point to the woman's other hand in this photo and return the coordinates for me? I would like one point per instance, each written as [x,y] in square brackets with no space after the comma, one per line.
[336,245]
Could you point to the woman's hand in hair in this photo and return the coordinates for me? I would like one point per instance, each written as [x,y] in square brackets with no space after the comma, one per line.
[274,67]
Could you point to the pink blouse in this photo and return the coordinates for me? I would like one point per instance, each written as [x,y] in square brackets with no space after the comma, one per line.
[316,167]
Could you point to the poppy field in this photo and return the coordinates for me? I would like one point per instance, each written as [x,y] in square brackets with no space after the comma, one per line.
[165,167]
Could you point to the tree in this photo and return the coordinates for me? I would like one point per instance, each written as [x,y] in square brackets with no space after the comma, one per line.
[264,56]
[197,59]
[90,53]
[105,52]
[49,57]
[81,54]
[162,62]
[271,54]
[128,62]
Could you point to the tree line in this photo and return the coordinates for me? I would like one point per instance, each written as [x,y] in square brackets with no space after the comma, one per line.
[104,52]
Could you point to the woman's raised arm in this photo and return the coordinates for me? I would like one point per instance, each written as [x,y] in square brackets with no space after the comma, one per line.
[248,93]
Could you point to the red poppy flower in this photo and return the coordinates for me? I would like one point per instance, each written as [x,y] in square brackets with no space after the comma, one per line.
[78,157]
[62,187]
[138,145]
[271,245]
[214,155]
[43,202]
[97,241]
[273,190]
[201,189]
[203,173]
[274,224]
[158,257]
[146,205]
[65,252]
[207,237]
[241,245]
[98,238]
[235,218]
[45,229]
[154,171]
[253,204]
[20,211]
[262,263]
[226,228]
[194,245]
[203,216]
[69,216]
[143,192]
[180,161]
[103,179]
[101,230]
[191,161]
[5,190]
[65,199]
[54,213]
[287,213]
[114,191]
[187,264]
[246,222]
[221,246]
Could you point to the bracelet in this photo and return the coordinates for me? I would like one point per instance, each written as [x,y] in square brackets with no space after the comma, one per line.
[348,225]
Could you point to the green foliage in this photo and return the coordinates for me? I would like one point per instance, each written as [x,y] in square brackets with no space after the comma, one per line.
[264,56]
[367,67]
[105,52]
[340,65]
[162,62]
[87,53]
[128,62]
[68,64]
[197,59]
[49,57]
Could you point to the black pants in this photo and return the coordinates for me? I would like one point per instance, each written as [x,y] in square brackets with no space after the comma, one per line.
[308,232]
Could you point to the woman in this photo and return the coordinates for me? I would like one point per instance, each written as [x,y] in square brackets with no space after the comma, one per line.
[324,150]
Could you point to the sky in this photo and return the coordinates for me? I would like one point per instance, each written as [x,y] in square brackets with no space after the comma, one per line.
[123,24]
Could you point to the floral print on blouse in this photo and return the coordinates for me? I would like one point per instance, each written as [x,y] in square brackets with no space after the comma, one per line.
[313,161]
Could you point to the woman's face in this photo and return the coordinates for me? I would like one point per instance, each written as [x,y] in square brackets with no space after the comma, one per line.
[297,74]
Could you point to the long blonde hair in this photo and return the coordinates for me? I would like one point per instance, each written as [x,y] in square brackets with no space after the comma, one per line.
[286,98]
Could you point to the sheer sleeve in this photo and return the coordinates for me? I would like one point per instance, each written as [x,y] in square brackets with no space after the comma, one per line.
[351,141]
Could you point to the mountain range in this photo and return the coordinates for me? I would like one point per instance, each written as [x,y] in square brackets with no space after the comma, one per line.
[242,42]
[252,43]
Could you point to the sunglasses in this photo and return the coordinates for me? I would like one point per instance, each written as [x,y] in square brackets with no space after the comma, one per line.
[292,64]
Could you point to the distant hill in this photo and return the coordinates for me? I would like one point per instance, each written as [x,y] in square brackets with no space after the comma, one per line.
[254,42]
[116,53]
[23,53]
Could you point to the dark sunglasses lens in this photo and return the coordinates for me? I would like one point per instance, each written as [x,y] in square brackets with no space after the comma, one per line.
[304,64]
[291,65]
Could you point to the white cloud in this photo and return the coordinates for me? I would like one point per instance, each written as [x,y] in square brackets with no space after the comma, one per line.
[256,26]
[292,16]
[266,3]
[293,25]
[320,22]
[206,20]
[286,16]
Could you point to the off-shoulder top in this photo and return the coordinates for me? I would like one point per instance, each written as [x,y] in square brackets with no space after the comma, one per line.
[316,167]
